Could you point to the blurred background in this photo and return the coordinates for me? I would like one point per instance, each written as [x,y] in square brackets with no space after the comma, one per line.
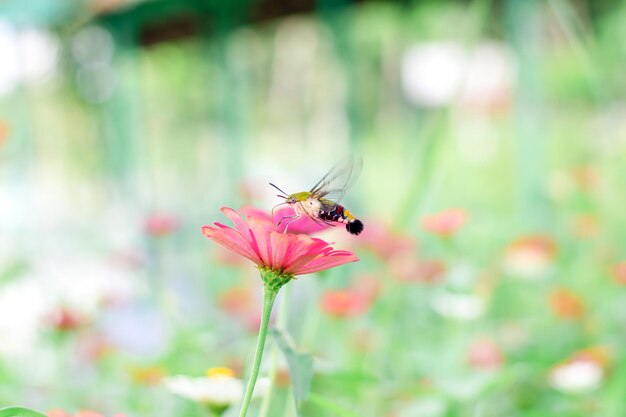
[493,262]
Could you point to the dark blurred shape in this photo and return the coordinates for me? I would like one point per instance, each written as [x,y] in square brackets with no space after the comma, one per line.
[154,22]
[177,27]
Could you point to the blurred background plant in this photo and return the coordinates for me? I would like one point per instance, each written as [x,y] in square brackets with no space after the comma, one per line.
[492,268]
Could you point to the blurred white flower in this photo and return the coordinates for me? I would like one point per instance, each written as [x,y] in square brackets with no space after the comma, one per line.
[22,306]
[530,257]
[84,285]
[458,306]
[30,303]
[423,407]
[577,376]
[27,54]
[218,391]
[434,74]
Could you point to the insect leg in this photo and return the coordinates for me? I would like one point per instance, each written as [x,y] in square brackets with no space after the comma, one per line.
[293,219]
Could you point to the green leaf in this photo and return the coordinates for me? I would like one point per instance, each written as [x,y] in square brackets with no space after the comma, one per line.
[300,365]
[336,409]
[19,412]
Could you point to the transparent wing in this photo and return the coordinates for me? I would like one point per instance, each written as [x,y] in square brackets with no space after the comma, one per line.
[337,181]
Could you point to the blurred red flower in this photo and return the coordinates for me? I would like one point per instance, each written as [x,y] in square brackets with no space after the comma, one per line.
[619,272]
[352,301]
[344,303]
[566,305]
[445,223]
[64,319]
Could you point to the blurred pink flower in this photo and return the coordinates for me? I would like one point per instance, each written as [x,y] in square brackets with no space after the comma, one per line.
[65,320]
[352,301]
[158,225]
[4,132]
[287,254]
[619,272]
[445,223]
[585,225]
[303,225]
[240,303]
[82,413]
[485,354]
[344,302]
[384,242]
[408,268]
[236,301]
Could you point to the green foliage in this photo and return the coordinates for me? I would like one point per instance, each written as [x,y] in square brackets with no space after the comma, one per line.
[19,412]
[300,365]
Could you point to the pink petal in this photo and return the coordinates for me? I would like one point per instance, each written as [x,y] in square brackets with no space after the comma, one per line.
[280,244]
[240,225]
[304,250]
[252,212]
[231,240]
[260,231]
[325,262]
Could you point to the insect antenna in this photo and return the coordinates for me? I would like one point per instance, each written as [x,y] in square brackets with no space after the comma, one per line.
[285,194]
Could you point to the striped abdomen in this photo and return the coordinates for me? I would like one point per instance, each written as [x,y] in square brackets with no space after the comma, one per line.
[340,214]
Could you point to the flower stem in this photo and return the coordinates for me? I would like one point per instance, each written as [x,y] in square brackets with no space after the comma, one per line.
[269,294]
[281,322]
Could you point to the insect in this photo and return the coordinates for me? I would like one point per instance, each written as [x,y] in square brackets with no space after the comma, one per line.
[321,203]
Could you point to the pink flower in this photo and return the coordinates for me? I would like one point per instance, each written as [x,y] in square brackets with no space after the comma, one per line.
[160,225]
[485,354]
[64,319]
[407,267]
[287,254]
[344,303]
[303,225]
[352,301]
[385,242]
[445,223]
[619,272]
[82,413]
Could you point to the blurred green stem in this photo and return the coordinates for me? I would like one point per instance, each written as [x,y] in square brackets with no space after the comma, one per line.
[273,283]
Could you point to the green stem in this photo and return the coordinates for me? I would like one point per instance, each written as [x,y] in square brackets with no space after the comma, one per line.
[273,282]
[281,322]
[269,295]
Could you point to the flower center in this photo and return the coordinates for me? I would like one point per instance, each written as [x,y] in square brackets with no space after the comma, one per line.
[220,373]
[274,280]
